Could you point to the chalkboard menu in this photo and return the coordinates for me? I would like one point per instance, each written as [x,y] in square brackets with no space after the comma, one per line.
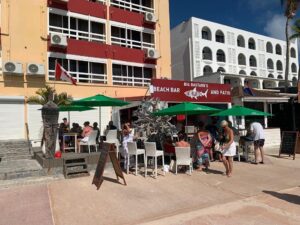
[108,150]
[288,143]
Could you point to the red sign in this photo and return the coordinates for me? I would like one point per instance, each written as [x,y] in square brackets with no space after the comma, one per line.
[185,91]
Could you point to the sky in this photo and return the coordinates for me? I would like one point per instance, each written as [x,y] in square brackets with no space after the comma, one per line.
[259,16]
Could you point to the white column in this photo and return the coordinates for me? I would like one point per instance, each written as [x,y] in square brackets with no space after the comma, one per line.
[276,83]
[266,118]
[261,86]
[222,80]
[242,79]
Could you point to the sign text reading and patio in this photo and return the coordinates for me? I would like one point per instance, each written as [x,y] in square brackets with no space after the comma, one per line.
[180,91]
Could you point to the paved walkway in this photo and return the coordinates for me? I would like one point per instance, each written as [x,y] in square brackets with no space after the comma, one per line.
[260,194]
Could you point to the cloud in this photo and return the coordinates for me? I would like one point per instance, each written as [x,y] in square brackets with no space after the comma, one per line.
[260,4]
[275,27]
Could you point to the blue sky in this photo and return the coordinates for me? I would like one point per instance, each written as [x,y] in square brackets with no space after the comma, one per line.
[260,16]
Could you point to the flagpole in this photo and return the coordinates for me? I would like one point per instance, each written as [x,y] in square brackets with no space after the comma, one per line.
[54,78]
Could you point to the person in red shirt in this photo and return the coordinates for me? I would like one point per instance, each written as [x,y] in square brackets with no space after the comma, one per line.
[87,130]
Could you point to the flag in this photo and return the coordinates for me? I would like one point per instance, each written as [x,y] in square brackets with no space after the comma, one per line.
[62,74]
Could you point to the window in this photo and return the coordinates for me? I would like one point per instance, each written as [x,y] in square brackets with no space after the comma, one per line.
[269,47]
[279,77]
[139,6]
[76,28]
[131,75]
[131,38]
[242,59]
[278,49]
[206,33]
[220,36]
[270,64]
[253,73]
[240,41]
[293,53]
[252,61]
[221,56]
[279,65]
[207,70]
[81,71]
[295,81]
[221,69]
[251,44]
[242,72]
[271,75]
[206,53]
[294,68]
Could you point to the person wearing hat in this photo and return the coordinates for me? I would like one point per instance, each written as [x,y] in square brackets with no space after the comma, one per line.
[228,147]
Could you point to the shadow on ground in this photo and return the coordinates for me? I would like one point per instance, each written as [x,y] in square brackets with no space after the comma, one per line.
[295,199]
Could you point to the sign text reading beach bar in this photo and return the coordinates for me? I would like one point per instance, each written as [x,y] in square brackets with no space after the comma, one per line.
[184,91]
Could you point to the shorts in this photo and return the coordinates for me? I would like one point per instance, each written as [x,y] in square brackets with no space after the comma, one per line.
[203,159]
[259,143]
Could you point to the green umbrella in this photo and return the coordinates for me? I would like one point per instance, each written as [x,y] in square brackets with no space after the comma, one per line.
[186,108]
[100,100]
[241,111]
[73,108]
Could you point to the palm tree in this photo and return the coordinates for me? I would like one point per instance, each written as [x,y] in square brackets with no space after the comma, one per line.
[289,12]
[296,34]
[49,93]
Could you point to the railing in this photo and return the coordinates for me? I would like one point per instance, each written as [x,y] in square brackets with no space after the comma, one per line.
[131,6]
[103,1]
[80,77]
[131,43]
[130,81]
[77,34]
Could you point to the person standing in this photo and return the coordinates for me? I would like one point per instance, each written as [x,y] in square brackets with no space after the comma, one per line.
[96,128]
[257,131]
[127,137]
[228,147]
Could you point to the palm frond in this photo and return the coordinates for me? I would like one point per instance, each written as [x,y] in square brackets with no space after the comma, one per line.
[36,100]
[49,93]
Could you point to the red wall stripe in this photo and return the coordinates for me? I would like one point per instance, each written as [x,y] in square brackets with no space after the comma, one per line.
[84,7]
[98,50]
[132,18]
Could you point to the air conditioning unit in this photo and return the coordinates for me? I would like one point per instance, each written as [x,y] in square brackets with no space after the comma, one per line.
[58,40]
[151,53]
[35,69]
[12,67]
[150,17]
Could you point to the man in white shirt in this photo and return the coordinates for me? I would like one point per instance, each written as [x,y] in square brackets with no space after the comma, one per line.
[259,140]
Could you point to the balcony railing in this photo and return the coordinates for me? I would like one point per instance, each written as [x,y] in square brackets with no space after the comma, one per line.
[83,77]
[77,34]
[131,81]
[131,6]
[131,43]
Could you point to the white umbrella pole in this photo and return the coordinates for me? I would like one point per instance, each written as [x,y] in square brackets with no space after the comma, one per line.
[100,119]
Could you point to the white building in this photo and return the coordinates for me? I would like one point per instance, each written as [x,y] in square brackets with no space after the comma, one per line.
[201,47]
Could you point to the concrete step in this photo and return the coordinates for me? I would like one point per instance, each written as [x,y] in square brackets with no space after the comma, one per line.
[22,168]
[16,157]
[14,150]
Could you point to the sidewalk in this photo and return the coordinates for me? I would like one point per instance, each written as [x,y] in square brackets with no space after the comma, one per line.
[266,194]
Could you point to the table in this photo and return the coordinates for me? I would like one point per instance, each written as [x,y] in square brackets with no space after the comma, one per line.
[75,141]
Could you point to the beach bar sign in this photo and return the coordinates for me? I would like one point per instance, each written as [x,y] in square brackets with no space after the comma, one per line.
[185,91]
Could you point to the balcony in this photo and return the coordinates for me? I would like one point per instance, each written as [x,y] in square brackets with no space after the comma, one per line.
[133,7]
[94,8]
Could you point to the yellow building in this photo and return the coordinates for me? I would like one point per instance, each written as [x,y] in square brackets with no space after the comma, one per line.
[111,47]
